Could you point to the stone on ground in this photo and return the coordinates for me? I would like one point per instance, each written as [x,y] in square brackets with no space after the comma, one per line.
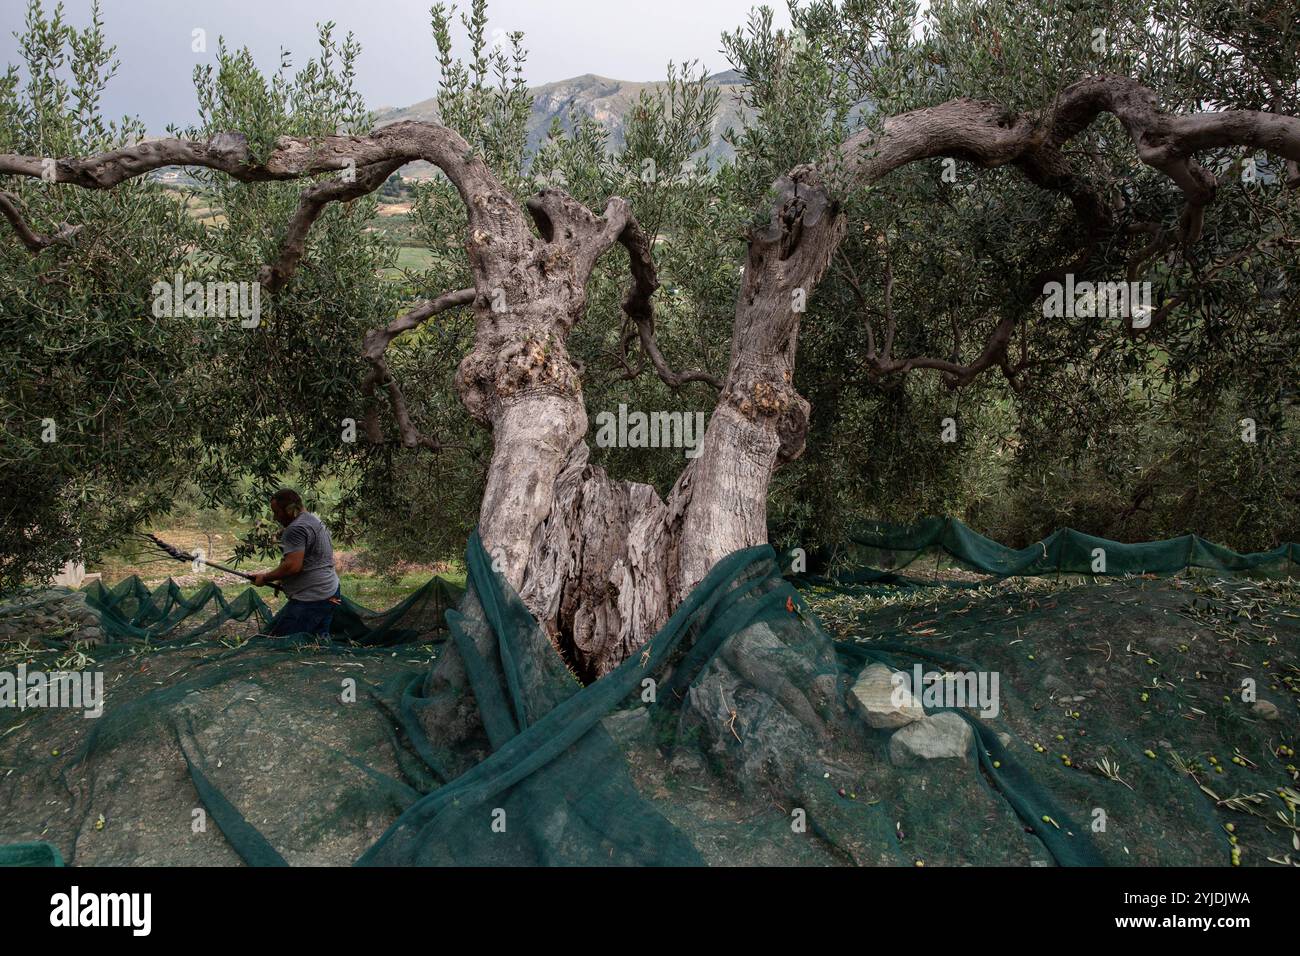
[941,736]
[884,703]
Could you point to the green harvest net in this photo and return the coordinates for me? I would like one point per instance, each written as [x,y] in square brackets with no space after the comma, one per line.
[131,611]
[876,551]
[424,735]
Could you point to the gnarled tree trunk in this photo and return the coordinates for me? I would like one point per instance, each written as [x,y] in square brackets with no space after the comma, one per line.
[602,563]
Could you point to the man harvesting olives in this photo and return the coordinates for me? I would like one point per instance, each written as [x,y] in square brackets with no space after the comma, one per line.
[305,572]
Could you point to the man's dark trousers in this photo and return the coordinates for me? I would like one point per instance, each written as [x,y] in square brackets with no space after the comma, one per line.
[305,617]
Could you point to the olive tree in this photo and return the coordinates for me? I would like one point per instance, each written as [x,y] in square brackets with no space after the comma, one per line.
[1106,113]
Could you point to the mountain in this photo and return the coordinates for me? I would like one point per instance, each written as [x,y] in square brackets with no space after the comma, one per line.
[605,100]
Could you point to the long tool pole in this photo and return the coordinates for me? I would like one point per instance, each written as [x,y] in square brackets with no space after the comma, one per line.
[180,555]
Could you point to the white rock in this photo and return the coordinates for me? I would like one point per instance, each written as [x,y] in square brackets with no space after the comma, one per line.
[874,692]
[942,736]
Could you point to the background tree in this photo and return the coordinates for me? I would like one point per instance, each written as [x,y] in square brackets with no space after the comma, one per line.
[97,395]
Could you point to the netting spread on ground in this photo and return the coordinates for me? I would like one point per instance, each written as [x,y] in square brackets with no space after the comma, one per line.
[130,610]
[878,549]
[743,732]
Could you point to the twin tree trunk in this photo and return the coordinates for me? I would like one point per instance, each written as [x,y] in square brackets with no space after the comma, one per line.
[600,562]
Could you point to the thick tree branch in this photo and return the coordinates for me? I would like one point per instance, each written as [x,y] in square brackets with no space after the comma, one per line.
[987,135]
[492,212]
[34,241]
[292,158]
[373,352]
[311,203]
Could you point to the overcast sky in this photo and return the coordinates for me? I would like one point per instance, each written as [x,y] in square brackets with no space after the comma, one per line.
[623,39]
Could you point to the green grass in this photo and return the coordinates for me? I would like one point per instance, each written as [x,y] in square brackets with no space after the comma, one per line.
[410,259]
[379,593]
[216,533]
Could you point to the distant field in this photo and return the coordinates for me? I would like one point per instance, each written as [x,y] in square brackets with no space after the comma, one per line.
[410,259]
[199,207]
[393,219]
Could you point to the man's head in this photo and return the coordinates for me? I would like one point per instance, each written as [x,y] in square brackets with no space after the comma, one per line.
[286,504]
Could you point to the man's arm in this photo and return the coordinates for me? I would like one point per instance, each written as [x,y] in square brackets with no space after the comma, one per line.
[289,565]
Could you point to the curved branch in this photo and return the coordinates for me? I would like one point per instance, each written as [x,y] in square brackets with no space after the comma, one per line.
[376,343]
[292,157]
[639,309]
[311,203]
[585,237]
[491,209]
[34,241]
[987,135]
[377,339]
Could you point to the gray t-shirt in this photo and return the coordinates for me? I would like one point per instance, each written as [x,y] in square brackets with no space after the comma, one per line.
[317,580]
